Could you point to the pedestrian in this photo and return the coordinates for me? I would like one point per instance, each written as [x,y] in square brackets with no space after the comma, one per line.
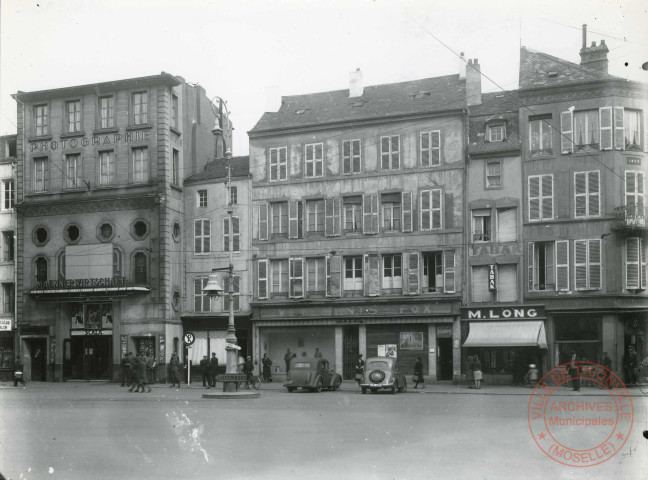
[125,370]
[143,381]
[418,373]
[469,372]
[630,366]
[532,375]
[150,368]
[317,353]
[287,358]
[359,369]
[477,372]
[572,369]
[248,370]
[204,370]
[213,368]
[174,366]
[19,372]
[138,364]
[267,371]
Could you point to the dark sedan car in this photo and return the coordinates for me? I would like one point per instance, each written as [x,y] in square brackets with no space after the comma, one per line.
[312,374]
[382,373]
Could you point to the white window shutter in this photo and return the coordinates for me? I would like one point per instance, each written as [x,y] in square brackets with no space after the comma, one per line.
[633,275]
[594,264]
[293,219]
[580,264]
[262,279]
[593,193]
[437,209]
[263,221]
[534,197]
[567,132]
[562,266]
[329,221]
[605,119]
[412,261]
[547,197]
[645,132]
[507,225]
[580,194]
[372,275]
[334,276]
[531,265]
[425,208]
[370,213]
[406,212]
[642,264]
[619,130]
[449,271]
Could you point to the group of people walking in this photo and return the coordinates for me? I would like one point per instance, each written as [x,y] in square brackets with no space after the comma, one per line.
[138,371]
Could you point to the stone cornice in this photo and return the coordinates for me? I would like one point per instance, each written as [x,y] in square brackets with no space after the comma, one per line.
[561,93]
[91,205]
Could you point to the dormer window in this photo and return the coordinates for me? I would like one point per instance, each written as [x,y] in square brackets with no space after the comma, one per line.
[496,133]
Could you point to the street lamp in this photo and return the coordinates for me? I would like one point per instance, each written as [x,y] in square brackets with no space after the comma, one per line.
[213,289]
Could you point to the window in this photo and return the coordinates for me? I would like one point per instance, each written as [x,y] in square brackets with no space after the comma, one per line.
[432,272]
[140,165]
[8,246]
[481,225]
[175,167]
[479,284]
[507,224]
[41,115]
[73,110]
[586,130]
[587,194]
[72,234]
[587,263]
[41,269]
[236,290]
[390,152]
[296,266]
[117,263]
[278,164]
[202,302]
[72,171]
[391,211]
[496,133]
[140,108]
[540,135]
[235,235]
[40,236]
[141,268]
[430,145]
[430,209]
[314,216]
[493,174]
[507,284]
[202,198]
[233,195]
[106,232]
[392,272]
[60,261]
[635,260]
[174,111]
[634,195]
[8,298]
[351,157]
[279,218]
[8,194]
[352,214]
[315,276]
[106,168]
[107,111]
[295,219]
[353,273]
[540,197]
[314,156]
[632,130]
[202,236]
[41,175]
[370,214]
[279,272]
[262,278]
[548,264]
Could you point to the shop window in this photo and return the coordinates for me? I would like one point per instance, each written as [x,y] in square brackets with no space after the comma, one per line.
[202,236]
[279,275]
[353,274]
[8,246]
[392,279]
[481,225]
[352,214]
[236,290]
[141,268]
[315,276]
[8,298]
[40,266]
[145,345]
[7,355]
[438,272]
[579,334]
[507,224]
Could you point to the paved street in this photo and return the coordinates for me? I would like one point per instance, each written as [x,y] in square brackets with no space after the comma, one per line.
[101,431]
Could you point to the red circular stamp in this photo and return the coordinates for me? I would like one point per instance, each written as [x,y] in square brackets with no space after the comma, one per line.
[580,430]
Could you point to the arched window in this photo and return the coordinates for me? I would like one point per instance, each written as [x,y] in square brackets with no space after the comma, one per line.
[41,269]
[117,263]
[140,268]
[60,260]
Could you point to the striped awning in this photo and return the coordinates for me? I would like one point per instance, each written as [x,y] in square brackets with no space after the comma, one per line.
[507,334]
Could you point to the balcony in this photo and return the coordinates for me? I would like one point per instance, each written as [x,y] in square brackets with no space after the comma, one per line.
[630,218]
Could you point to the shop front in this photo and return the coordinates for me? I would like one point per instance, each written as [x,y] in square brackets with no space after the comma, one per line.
[7,350]
[506,339]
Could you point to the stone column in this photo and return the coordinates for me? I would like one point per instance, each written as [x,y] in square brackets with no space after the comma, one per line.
[362,340]
[338,350]
[609,336]
[432,352]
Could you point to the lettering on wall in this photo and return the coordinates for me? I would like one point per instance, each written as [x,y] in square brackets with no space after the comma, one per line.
[95,140]
[502,313]
[83,283]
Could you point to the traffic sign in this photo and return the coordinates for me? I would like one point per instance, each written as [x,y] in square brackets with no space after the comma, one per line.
[189,338]
[231,377]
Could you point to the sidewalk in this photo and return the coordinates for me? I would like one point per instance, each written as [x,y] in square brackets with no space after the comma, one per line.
[348,386]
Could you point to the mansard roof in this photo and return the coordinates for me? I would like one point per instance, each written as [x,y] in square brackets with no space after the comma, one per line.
[496,108]
[217,169]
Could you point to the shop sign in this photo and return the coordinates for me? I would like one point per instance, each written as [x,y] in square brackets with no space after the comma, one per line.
[95,140]
[83,283]
[90,332]
[502,313]
[444,331]
[492,283]
[495,249]
[358,311]
[5,324]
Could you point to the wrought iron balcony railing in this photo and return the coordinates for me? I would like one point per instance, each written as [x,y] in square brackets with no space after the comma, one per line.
[631,216]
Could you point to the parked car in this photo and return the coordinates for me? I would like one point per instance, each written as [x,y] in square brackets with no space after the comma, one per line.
[312,374]
[382,373]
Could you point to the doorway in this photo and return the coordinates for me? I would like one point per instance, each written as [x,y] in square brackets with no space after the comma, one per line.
[90,358]
[38,358]
[444,357]
[350,349]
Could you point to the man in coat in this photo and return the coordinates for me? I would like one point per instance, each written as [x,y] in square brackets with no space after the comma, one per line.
[213,367]
[630,366]
[174,366]
[287,358]
[125,370]
[574,371]
[359,368]
[204,370]
[267,371]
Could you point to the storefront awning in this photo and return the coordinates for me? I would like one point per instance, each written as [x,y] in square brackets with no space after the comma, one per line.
[507,334]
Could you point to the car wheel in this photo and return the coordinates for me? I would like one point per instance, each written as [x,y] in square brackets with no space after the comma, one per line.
[318,385]
[363,389]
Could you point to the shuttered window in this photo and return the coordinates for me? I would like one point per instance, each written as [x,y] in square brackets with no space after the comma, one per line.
[262,279]
[296,277]
[315,216]
[566,132]
[353,273]
[316,275]
[587,190]
[619,129]
[587,264]
[370,214]
[430,208]
[635,277]
[295,219]
[236,291]
[605,116]
[411,265]
[540,191]
[507,283]
[480,291]
[541,265]
[334,276]
[506,224]
[634,198]
[279,272]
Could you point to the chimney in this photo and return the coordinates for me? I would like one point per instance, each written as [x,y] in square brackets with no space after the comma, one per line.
[473,83]
[462,66]
[355,84]
[594,57]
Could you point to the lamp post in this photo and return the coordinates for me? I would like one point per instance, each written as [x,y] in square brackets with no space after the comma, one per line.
[213,288]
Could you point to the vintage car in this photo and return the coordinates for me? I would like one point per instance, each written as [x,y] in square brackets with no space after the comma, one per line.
[382,373]
[312,374]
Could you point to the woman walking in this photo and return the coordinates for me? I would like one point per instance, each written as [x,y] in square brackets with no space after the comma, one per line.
[267,372]
[477,373]
[418,373]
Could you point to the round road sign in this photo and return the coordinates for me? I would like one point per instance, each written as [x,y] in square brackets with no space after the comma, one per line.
[189,338]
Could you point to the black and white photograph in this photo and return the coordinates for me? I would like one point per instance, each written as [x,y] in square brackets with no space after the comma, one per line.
[301,239]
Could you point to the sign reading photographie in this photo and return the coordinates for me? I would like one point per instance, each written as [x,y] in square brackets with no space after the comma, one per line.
[95,140]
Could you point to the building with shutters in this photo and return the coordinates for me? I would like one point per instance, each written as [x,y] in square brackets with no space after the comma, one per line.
[100,172]
[584,221]
[358,224]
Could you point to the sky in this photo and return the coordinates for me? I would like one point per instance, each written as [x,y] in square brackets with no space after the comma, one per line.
[249,52]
